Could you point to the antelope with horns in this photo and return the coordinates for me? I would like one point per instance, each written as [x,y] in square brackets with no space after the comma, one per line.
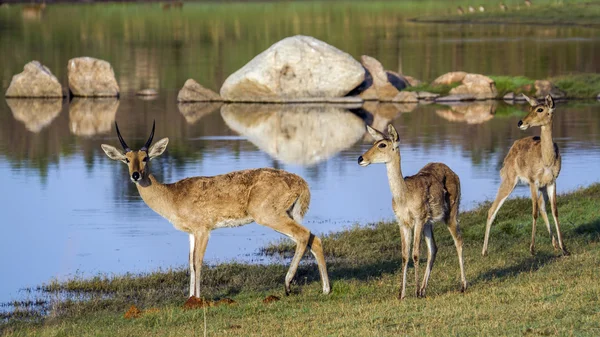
[431,195]
[197,205]
[536,161]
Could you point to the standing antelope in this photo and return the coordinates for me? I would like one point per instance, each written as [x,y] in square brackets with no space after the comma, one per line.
[431,195]
[536,161]
[197,205]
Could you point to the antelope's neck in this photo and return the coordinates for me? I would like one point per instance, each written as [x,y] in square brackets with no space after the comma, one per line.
[155,194]
[395,178]
[547,144]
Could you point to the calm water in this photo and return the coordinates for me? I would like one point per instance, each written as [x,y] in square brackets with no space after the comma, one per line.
[69,210]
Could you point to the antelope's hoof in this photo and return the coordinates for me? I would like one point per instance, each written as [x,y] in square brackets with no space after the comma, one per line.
[555,244]
[484,253]
[532,250]
[565,252]
[463,288]
[287,291]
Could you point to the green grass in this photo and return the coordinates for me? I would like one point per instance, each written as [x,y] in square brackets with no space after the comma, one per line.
[516,84]
[504,85]
[510,293]
[557,12]
[579,85]
[574,85]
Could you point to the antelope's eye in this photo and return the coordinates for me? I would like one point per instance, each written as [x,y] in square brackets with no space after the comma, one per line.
[382,145]
[145,159]
[127,160]
[540,110]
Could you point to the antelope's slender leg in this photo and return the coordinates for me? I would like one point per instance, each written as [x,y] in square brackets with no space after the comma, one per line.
[454,229]
[299,234]
[192,271]
[416,252]
[200,242]
[506,187]
[552,195]
[534,214]
[431,253]
[542,207]
[316,248]
[405,236]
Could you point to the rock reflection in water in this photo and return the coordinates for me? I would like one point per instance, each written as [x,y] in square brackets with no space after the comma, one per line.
[385,113]
[470,113]
[35,113]
[302,134]
[91,116]
[192,112]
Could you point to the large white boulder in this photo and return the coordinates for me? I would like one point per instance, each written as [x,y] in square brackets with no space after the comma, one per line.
[295,67]
[193,91]
[480,86]
[36,80]
[90,77]
[449,78]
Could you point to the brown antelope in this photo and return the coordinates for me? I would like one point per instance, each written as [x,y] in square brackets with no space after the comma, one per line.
[197,205]
[431,195]
[536,161]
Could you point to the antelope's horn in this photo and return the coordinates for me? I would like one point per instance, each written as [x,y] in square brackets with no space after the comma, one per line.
[123,144]
[147,145]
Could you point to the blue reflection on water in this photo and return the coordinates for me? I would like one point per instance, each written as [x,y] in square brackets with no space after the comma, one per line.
[76,221]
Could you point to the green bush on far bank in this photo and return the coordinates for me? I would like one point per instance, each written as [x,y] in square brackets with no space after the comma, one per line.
[575,85]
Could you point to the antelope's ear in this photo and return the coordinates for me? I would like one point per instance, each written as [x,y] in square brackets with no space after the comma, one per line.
[158,148]
[113,153]
[393,133]
[550,102]
[375,134]
[531,101]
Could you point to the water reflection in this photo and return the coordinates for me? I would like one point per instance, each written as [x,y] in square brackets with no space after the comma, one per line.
[91,116]
[33,12]
[470,113]
[381,114]
[192,112]
[295,134]
[35,113]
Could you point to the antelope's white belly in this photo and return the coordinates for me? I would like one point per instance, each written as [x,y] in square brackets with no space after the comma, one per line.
[229,223]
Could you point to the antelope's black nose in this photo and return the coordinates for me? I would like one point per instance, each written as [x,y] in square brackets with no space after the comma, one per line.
[135,176]
[520,123]
[360,159]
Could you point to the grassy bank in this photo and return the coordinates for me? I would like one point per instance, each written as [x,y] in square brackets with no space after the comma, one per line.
[511,292]
[575,86]
[574,12]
